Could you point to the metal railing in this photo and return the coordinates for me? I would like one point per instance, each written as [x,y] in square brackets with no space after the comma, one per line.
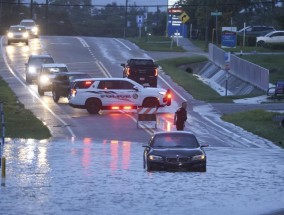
[246,71]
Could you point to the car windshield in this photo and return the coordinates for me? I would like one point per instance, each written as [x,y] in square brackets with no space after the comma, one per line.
[176,140]
[39,61]
[51,70]
[17,29]
[29,24]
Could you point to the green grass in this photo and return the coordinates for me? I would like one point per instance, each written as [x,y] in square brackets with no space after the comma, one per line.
[259,122]
[154,43]
[19,122]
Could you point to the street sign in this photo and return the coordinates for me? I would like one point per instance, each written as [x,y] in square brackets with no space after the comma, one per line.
[184,17]
[139,19]
[216,13]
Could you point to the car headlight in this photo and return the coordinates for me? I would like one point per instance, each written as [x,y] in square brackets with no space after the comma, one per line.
[155,158]
[44,79]
[26,35]
[198,157]
[32,69]
[10,35]
[35,29]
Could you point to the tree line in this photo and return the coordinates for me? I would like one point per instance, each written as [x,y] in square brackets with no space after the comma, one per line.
[80,17]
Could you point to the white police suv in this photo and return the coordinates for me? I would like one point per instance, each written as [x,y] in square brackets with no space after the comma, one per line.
[95,94]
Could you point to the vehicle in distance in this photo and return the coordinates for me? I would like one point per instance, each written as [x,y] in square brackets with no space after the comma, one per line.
[31,26]
[255,30]
[174,150]
[33,66]
[115,94]
[274,37]
[46,75]
[143,71]
[17,33]
[62,83]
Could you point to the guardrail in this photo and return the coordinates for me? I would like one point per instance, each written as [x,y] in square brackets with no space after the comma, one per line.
[245,70]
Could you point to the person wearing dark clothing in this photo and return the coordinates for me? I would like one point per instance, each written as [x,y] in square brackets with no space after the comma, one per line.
[180,117]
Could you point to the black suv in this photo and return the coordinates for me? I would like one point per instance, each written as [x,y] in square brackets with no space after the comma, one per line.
[143,71]
[34,64]
[62,83]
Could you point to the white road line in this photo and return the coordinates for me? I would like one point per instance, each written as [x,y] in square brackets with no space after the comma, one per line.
[84,43]
[33,93]
[123,44]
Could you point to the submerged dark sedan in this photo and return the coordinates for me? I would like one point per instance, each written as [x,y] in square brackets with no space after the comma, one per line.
[174,150]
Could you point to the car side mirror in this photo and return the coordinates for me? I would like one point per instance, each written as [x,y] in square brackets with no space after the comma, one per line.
[123,64]
[135,88]
[204,145]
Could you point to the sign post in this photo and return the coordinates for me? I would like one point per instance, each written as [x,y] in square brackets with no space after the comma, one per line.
[139,21]
[216,14]
[227,58]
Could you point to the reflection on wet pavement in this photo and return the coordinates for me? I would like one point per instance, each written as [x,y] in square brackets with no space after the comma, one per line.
[107,177]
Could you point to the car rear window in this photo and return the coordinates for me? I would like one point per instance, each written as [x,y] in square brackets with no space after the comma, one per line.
[139,62]
[82,84]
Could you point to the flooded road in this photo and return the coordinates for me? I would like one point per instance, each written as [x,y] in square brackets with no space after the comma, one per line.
[88,176]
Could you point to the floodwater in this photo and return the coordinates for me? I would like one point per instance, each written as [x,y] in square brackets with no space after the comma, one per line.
[107,177]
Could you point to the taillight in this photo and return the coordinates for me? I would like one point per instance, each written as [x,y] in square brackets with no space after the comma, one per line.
[168,97]
[156,72]
[127,71]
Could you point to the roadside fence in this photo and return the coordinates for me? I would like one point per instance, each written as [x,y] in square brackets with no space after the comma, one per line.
[245,70]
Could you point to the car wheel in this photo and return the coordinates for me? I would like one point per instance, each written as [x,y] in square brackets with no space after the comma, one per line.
[93,106]
[40,91]
[260,43]
[55,96]
[149,167]
[150,103]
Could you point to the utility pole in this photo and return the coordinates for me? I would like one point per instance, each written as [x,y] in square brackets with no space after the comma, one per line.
[206,25]
[125,21]
[32,2]
[46,16]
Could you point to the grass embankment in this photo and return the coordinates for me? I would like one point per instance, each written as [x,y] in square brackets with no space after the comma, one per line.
[19,122]
[259,122]
[151,43]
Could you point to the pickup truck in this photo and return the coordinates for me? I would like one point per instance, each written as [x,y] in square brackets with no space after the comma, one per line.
[141,70]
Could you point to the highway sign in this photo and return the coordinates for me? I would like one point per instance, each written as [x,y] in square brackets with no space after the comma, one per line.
[216,13]
[184,17]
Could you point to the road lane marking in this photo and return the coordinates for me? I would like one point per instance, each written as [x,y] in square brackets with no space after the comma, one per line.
[32,92]
[123,44]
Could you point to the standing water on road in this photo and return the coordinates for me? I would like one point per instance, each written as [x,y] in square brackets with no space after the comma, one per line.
[107,177]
